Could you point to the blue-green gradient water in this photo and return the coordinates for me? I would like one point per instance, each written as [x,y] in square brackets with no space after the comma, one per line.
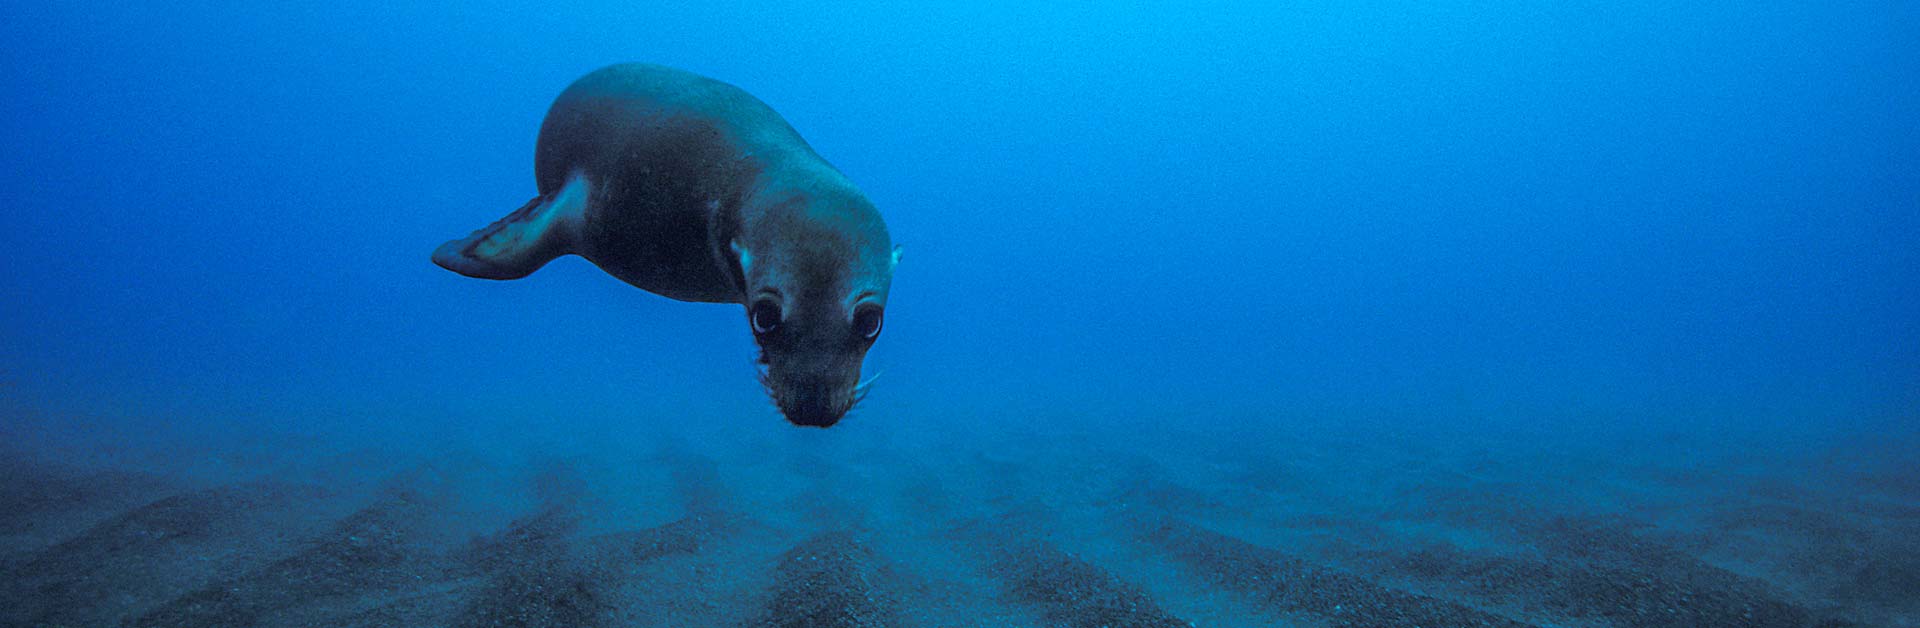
[1295,274]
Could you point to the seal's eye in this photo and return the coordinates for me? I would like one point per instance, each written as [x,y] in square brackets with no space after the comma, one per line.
[765,316]
[866,322]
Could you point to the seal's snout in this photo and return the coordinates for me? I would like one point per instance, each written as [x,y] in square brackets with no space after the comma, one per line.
[816,403]
[812,416]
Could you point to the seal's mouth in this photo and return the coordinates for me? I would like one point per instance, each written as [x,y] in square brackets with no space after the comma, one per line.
[813,402]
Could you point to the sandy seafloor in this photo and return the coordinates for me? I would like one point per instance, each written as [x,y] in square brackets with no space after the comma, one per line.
[1127,525]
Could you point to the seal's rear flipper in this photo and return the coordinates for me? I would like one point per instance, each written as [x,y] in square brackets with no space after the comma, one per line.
[515,246]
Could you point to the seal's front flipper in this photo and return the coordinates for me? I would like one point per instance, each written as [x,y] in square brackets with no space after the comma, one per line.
[515,246]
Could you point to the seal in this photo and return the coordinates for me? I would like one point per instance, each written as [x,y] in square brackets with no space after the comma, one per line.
[693,189]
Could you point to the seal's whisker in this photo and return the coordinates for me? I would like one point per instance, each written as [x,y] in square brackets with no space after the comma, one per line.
[861,390]
[862,386]
[762,375]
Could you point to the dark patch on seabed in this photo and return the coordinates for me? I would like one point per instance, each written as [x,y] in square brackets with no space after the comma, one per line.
[831,580]
[1288,585]
[1060,530]
[368,556]
[132,562]
[1065,589]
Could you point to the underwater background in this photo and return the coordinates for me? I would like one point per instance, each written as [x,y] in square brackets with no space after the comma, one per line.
[1216,314]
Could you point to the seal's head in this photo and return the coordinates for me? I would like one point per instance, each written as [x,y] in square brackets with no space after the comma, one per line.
[816,280]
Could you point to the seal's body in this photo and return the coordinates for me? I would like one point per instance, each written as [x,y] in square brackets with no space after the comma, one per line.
[693,189]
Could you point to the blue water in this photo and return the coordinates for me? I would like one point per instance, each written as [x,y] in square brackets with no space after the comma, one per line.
[1651,265]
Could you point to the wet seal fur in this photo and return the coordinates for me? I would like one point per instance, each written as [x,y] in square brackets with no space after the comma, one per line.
[693,189]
